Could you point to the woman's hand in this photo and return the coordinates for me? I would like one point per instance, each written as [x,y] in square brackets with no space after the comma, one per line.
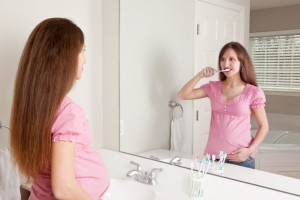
[239,155]
[189,92]
[207,72]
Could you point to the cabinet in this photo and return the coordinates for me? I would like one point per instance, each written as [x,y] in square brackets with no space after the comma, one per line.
[282,162]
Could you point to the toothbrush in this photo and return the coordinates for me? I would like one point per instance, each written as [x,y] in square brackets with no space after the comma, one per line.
[200,167]
[224,157]
[208,157]
[197,161]
[223,70]
[207,167]
[220,159]
[193,182]
[204,167]
[213,158]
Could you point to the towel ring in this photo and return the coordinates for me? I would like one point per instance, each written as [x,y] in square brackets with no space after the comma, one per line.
[173,105]
[3,126]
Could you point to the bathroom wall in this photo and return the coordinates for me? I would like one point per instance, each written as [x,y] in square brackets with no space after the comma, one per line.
[110,63]
[275,19]
[279,107]
[156,59]
[18,18]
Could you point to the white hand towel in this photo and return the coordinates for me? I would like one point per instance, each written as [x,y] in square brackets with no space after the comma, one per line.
[177,134]
[9,178]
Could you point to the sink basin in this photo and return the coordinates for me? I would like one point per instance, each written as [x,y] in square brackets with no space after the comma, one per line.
[128,190]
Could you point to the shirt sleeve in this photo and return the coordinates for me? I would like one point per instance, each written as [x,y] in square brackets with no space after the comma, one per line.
[207,88]
[68,124]
[259,99]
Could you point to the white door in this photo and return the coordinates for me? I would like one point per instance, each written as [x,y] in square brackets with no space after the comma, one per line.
[216,23]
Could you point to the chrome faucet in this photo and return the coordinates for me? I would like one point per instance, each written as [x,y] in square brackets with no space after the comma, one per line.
[176,160]
[154,157]
[144,176]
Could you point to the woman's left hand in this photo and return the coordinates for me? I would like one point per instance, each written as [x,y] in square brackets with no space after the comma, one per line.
[239,155]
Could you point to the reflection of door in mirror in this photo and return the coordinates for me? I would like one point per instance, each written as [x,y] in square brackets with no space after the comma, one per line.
[216,26]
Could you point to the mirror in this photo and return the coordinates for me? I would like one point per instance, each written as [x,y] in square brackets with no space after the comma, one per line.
[157,57]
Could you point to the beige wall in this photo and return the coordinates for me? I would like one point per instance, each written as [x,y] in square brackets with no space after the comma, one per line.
[283,104]
[277,19]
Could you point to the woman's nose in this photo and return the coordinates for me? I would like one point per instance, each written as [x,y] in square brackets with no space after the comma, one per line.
[226,63]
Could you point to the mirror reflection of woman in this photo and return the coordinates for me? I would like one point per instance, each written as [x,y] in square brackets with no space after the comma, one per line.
[233,99]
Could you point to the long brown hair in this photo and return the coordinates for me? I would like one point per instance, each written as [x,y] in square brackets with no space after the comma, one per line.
[247,72]
[47,71]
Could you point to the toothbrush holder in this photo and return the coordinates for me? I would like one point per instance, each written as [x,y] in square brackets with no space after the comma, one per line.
[220,172]
[197,186]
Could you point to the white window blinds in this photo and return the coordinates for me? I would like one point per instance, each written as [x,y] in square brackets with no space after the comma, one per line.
[276,60]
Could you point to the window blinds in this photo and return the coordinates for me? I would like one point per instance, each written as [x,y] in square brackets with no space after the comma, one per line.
[276,60]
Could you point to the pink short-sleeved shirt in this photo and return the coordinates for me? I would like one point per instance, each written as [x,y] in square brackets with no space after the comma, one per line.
[90,171]
[230,119]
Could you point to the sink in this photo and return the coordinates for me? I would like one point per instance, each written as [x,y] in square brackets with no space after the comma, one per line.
[128,190]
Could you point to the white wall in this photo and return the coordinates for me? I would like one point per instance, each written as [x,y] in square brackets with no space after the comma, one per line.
[156,57]
[110,62]
[17,19]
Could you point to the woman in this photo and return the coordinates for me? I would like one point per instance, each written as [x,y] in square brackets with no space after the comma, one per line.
[50,136]
[233,99]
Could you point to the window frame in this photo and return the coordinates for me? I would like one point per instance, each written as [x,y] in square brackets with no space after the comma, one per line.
[270,90]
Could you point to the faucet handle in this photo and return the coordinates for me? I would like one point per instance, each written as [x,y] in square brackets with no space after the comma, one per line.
[139,168]
[176,160]
[154,171]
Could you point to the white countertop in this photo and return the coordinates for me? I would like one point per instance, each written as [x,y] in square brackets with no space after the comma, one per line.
[242,174]
[177,179]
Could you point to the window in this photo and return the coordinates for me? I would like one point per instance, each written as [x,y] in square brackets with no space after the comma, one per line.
[276,59]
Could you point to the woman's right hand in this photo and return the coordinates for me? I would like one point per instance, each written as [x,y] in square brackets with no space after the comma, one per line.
[188,91]
[207,72]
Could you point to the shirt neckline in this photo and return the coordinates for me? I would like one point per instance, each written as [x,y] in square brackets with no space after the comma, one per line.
[236,97]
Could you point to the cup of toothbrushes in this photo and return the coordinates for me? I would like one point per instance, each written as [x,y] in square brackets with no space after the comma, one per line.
[219,170]
[197,185]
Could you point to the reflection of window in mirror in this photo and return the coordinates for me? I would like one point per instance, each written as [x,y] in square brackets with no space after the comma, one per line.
[276,57]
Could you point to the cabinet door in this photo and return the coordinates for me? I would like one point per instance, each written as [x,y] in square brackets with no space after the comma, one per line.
[215,25]
[286,163]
